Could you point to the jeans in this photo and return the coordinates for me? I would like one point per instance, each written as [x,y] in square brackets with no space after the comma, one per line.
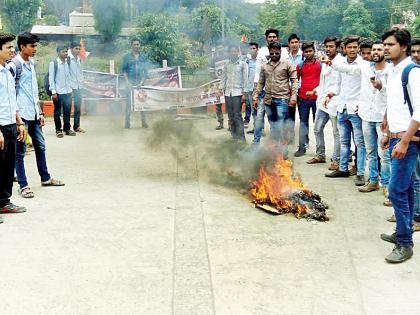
[63,104]
[321,119]
[219,114]
[304,108]
[401,190]
[248,108]
[373,135]
[234,110]
[259,120]
[292,119]
[417,191]
[7,163]
[346,123]
[278,114]
[128,112]
[77,102]
[38,141]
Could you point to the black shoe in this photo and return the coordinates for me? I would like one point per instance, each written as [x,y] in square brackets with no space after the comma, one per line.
[359,180]
[338,174]
[70,133]
[300,152]
[399,254]
[391,238]
[220,127]
[250,131]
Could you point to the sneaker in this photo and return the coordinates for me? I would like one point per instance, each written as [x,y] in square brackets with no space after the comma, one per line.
[59,134]
[353,170]
[316,159]
[392,219]
[79,130]
[11,208]
[220,127]
[70,133]
[359,180]
[337,173]
[391,238]
[334,166]
[369,187]
[416,226]
[300,153]
[399,254]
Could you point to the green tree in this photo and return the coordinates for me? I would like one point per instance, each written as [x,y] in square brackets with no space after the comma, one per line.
[109,17]
[281,14]
[206,26]
[20,15]
[357,20]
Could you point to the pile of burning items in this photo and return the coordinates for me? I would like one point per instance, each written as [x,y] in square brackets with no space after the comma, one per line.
[277,190]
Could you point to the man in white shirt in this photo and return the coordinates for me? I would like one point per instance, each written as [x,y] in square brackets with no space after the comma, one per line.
[76,82]
[327,92]
[402,128]
[348,118]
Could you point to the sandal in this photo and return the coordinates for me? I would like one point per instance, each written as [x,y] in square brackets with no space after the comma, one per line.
[52,182]
[59,134]
[26,192]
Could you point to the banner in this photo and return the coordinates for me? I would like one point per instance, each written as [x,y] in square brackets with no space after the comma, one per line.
[164,77]
[148,98]
[100,84]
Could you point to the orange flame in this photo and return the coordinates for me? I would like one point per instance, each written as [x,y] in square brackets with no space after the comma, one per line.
[275,185]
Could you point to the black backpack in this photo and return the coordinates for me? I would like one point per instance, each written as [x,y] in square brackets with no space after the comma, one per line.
[404,80]
[18,73]
[47,76]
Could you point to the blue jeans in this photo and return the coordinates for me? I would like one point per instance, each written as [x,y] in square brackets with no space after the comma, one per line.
[278,114]
[373,135]
[7,163]
[321,119]
[62,105]
[417,191]
[38,141]
[259,119]
[304,109]
[346,124]
[248,108]
[77,102]
[401,190]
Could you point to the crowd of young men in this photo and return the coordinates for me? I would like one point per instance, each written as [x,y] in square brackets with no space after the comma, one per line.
[361,91]
[20,110]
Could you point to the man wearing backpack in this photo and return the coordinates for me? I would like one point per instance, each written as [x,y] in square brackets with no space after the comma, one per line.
[61,91]
[309,72]
[402,134]
[23,69]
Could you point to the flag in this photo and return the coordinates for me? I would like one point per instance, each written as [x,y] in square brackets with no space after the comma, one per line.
[244,39]
[83,54]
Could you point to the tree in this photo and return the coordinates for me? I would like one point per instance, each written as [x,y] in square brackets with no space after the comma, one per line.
[109,17]
[281,14]
[357,20]
[20,15]
[206,26]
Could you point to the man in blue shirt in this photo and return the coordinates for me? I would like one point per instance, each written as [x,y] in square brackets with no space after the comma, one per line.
[61,91]
[10,125]
[76,83]
[134,68]
[23,69]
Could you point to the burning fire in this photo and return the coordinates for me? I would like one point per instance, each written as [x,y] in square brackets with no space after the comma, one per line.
[277,187]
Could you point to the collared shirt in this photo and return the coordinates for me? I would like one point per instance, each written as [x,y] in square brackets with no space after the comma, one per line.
[235,78]
[8,104]
[61,84]
[275,79]
[135,68]
[329,82]
[264,56]
[27,89]
[252,66]
[76,72]
[297,59]
[372,102]
[398,114]
[350,89]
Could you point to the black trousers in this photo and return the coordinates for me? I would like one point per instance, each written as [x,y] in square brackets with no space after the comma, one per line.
[7,163]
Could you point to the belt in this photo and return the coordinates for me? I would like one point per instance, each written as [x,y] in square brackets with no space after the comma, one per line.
[400,135]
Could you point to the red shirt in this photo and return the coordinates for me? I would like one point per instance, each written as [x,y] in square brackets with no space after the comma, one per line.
[309,74]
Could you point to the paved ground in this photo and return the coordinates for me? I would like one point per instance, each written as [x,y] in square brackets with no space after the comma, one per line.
[135,231]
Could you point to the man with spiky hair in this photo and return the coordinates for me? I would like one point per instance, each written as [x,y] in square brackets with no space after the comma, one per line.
[10,125]
[402,135]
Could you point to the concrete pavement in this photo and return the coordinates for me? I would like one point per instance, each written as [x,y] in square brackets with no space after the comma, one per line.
[136,231]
